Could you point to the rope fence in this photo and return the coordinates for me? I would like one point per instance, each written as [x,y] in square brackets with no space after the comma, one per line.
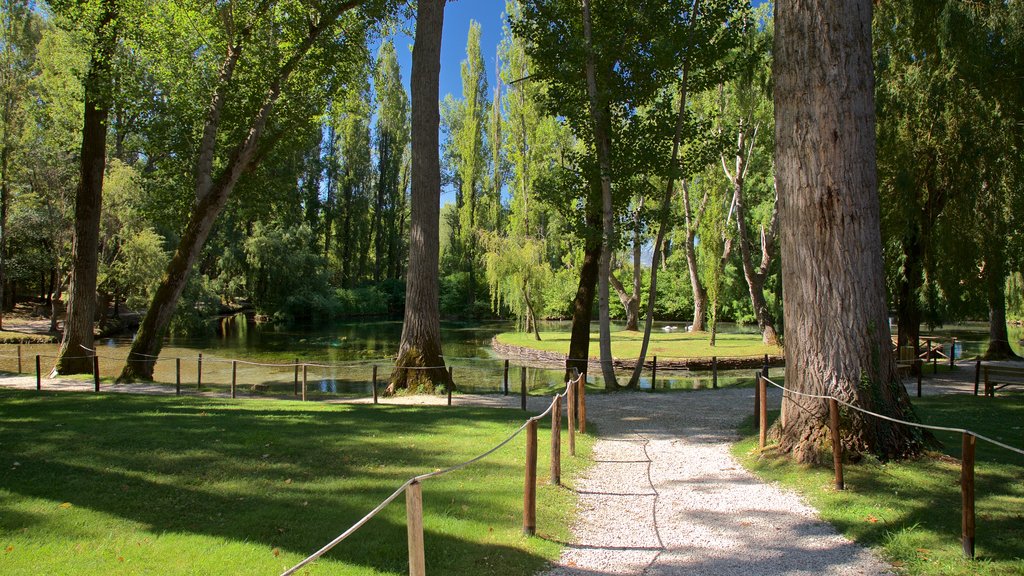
[414,495]
[968,438]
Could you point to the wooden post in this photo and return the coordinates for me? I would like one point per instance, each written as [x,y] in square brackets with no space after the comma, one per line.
[505,379]
[570,413]
[530,485]
[654,373]
[764,368]
[556,441]
[989,391]
[714,372]
[374,383]
[582,400]
[177,376]
[837,444]
[199,373]
[757,396]
[952,353]
[414,524]
[522,386]
[19,358]
[967,492]
[920,373]
[762,390]
[304,382]
[296,386]
[935,359]
[234,376]
[451,383]
[977,373]
[39,375]
[95,373]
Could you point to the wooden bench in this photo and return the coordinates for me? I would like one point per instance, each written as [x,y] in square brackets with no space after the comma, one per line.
[999,377]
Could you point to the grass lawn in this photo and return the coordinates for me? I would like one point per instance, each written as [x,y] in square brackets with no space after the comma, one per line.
[911,510]
[123,484]
[8,337]
[664,345]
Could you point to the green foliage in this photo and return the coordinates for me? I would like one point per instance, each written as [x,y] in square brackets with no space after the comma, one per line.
[517,271]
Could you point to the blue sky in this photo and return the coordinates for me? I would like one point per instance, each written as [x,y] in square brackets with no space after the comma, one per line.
[457,15]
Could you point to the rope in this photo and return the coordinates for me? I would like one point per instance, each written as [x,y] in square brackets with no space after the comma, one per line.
[896,420]
[326,548]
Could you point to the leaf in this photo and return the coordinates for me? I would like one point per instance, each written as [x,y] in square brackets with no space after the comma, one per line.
[871,518]
[65,506]
[276,552]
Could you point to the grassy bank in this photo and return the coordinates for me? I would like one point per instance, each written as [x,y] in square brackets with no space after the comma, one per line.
[149,485]
[664,345]
[910,511]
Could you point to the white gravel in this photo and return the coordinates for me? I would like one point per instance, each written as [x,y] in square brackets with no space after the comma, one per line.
[666,497]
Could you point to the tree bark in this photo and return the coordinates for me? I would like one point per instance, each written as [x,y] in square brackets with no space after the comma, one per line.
[602,142]
[76,344]
[833,289]
[583,303]
[420,365]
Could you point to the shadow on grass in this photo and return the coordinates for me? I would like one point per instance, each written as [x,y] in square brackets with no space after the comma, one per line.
[289,477]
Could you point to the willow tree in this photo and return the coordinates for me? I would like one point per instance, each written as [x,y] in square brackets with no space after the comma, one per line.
[420,364]
[517,271]
[833,286]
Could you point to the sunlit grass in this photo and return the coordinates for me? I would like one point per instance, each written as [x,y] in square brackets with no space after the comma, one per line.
[151,485]
[664,345]
[910,511]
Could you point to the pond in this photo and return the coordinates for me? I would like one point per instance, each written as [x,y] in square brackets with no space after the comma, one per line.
[341,358]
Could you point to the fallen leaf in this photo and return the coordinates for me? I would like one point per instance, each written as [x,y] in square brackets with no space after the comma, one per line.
[923,550]
[277,552]
[872,519]
[9,549]
[120,558]
[65,506]
[288,481]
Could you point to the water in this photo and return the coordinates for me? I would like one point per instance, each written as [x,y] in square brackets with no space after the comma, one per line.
[340,358]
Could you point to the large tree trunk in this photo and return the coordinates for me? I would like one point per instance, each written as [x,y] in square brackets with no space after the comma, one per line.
[420,365]
[602,140]
[583,304]
[833,289]
[998,336]
[76,344]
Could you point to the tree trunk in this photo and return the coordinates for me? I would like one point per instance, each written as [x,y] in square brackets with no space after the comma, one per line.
[755,277]
[999,338]
[908,302]
[420,365]
[76,343]
[834,293]
[700,295]
[212,194]
[630,303]
[664,215]
[602,140]
[583,304]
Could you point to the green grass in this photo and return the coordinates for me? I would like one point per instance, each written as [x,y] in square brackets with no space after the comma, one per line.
[664,345]
[150,485]
[910,510]
[9,337]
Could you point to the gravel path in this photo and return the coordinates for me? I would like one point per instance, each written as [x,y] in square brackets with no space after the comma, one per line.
[667,498]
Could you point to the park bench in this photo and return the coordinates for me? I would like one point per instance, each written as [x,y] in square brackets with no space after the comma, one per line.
[999,377]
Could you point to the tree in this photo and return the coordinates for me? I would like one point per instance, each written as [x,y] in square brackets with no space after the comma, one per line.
[833,287]
[273,71]
[19,39]
[516,272]
[392,138]
[420,364]
[77,341]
